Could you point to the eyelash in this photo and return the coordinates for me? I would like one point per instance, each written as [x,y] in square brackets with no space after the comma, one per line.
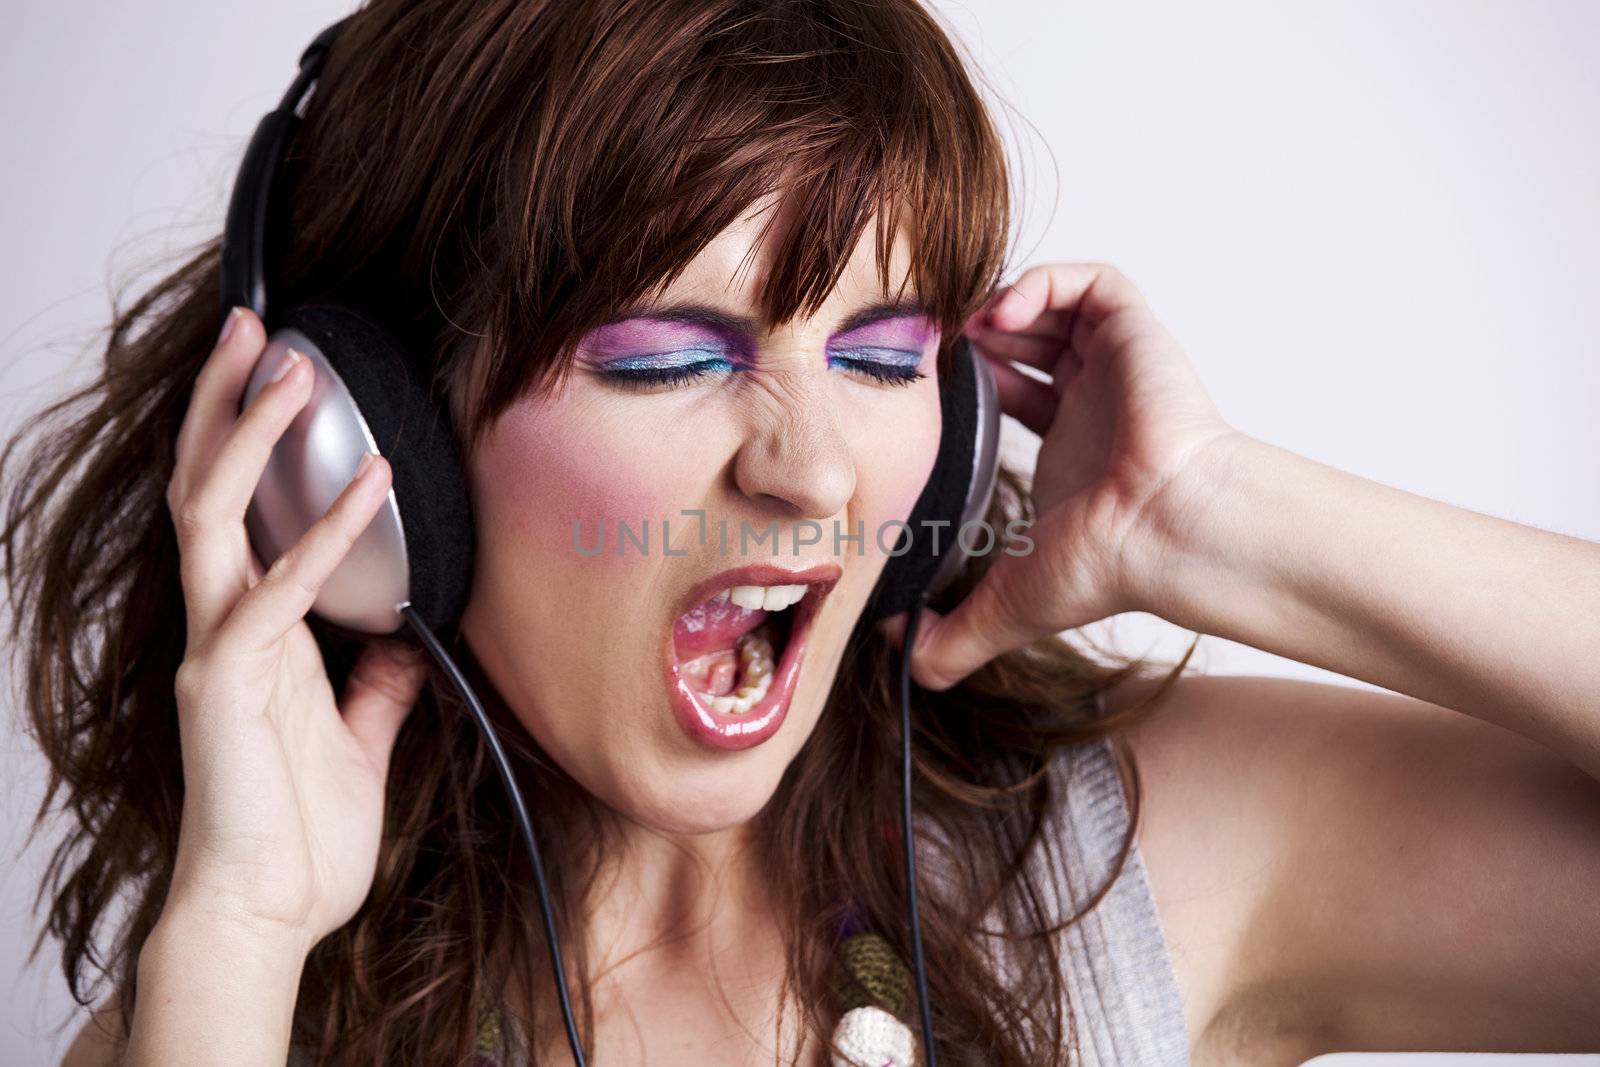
[646,377]
[881,370]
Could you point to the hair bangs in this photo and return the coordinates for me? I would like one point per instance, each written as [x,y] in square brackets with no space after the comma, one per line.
[662,129]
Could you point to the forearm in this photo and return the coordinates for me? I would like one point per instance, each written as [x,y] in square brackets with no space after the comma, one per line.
[1492,618]
[211,992]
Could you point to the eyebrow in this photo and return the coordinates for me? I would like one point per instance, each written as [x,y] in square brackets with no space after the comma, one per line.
[718,319]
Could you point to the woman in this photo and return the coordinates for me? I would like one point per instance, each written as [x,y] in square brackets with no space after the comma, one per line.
[318,858]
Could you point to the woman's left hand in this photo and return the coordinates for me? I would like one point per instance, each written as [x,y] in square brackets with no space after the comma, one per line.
[1122,420]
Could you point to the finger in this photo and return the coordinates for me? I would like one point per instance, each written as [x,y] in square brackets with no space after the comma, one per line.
[1053,325]
[1091,290]
[1064,299]
[1031,402]
[991,620]
[214,399]
[379,694]
[1049,354]
[215,568]
[287,591]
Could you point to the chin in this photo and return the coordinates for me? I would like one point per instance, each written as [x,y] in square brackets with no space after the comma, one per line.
[699,796]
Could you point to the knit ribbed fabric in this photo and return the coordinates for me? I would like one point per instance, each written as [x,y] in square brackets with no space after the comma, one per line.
[1121,986]
[1121,989]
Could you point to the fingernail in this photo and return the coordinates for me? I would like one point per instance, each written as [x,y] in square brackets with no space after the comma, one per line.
[365,464]
[290,358]
[227,327]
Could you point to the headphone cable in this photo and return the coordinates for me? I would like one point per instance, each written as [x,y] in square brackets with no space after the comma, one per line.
[503,765]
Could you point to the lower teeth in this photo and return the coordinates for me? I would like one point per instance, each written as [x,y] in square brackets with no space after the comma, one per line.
[755,671]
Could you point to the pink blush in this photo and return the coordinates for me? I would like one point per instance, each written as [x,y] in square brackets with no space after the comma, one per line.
[543,474]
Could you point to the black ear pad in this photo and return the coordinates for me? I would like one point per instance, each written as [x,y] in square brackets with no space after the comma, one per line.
[412,434]
[948,494]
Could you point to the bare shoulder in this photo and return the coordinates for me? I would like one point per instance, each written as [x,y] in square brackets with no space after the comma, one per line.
[98,1043]
[1221,763]
[1321,855]
[1202,827]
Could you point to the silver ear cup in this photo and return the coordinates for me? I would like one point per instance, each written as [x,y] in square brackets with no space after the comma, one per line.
[985,470]
[309,467]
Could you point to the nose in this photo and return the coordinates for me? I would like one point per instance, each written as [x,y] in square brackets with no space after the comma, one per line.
[797,460]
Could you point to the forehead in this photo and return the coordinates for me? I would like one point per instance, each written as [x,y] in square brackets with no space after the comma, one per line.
[733,268]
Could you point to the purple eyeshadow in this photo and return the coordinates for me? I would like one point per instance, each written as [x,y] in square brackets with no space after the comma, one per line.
[644,347]
[641,335]
[910,332]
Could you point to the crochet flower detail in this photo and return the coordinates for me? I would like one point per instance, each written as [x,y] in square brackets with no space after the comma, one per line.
[874,989]
[871,1037]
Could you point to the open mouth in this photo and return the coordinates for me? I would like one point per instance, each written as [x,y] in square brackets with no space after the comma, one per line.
[735,654]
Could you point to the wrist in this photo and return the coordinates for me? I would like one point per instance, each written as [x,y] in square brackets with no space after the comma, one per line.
[190,922]
[267,905]
[1190,539]
[214,988]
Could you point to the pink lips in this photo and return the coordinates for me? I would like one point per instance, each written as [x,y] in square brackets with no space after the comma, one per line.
[723,730]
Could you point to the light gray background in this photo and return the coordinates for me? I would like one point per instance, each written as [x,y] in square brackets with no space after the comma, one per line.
[1373,224]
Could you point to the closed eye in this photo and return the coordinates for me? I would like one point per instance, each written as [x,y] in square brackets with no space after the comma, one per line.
[891,366]
[666,368]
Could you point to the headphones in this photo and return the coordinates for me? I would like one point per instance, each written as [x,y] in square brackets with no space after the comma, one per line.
[418,547]
[413,563]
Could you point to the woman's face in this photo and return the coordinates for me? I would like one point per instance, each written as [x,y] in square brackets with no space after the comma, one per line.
[622,652]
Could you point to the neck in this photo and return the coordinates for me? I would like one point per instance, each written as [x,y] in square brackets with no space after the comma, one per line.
[678,899]
[684,947]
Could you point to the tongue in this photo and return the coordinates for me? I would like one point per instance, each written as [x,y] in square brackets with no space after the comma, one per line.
[714,626]
[714,673]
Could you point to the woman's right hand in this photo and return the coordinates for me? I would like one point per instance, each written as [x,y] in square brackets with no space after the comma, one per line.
[283,783]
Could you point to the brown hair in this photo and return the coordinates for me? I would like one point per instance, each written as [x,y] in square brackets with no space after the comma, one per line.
[492,178]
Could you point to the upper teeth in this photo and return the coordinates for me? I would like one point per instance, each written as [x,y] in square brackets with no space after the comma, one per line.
[765,597]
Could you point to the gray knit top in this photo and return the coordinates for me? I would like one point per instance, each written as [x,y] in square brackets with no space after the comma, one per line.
[1121,986]
[1121,991]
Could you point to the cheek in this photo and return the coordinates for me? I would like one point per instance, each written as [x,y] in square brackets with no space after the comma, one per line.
[894,467]
[545,470]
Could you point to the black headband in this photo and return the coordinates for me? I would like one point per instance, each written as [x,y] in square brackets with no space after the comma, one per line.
[244,236]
